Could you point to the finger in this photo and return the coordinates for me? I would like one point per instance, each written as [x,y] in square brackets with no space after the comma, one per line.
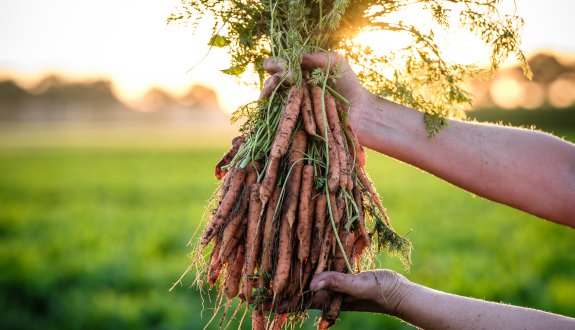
[271,66]
[320,60]
[339,282]
[270,85]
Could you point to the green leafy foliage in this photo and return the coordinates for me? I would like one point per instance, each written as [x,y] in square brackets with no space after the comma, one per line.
[423,79]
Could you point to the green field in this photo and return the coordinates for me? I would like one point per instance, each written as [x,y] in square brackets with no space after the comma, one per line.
[92,237]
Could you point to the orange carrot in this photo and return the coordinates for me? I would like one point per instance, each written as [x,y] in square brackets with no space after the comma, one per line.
[335,127]
[362,228]
[231,238]
[307,113]
[293,183]
[304,215]
[267,237]
[323,324]
[326,246]
[331,313]
[232,285]
[252,239]
[287,122]
[353,142]
[215,263]
[329,237]
[232,228]
[319,225]
[258,319]
[323,128]
[317,100]
[278,322]
[228,156]
[226,205]
[333,171]
[282,271]
[366,182]
[269,180]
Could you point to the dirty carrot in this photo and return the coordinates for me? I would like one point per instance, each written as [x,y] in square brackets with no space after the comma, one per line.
[267,237]
[307,113]
[304,217]
[227,158]
[319,225]
[232,285]
[335,127]
[252,239]
[269,180]
[287,122]
[293,183]
[282,271]
[226,205]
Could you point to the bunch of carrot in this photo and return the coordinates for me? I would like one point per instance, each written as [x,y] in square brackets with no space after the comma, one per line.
[292,204]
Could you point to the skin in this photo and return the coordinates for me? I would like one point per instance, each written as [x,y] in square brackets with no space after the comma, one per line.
[529,170]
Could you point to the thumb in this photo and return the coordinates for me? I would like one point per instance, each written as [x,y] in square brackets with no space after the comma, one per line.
[338,282]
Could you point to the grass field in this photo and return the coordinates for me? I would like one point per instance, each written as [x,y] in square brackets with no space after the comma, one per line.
[92,236]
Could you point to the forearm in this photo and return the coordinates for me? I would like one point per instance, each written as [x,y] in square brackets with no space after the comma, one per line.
[528,170]
[431,309]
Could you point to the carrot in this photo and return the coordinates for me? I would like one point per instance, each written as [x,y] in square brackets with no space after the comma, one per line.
[232,238]
[331,314]
[278,322]
[226,204]
[347,238]
[284,257]
[335,127]
[307,113]
[228,156]
[232,228]
[362,228]
[215,263]
[352,141]
[270,85]
[269,180]
[319,225]
[258,319]
[232,285]
[293,183]
[329,239]
[304,216]
[252,239]
[267,237]
[287,122]
[323,324]
[366,182]
[326,245]
[333,153]
[333,171]
[306,276]
[317,100]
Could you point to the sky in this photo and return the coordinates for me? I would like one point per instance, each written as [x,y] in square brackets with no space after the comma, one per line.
[130,42]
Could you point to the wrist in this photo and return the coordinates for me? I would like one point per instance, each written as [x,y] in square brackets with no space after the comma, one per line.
[394,288]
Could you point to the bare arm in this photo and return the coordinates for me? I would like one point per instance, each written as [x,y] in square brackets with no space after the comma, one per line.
[384,291]
[529,170]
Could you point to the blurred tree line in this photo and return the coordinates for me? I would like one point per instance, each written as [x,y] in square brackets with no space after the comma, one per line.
[54,99]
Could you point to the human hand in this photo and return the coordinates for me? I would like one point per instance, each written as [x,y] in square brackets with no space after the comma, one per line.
[347,86]
[379,291]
